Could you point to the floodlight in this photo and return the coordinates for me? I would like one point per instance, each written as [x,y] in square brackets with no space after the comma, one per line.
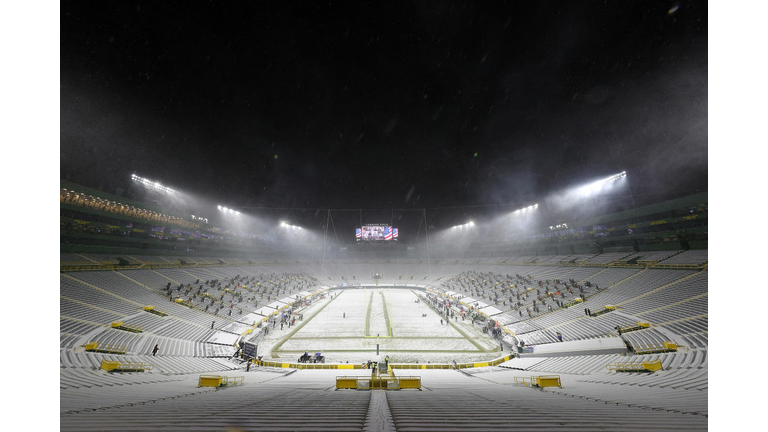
[596,186]
[152,184]
[228,210]
[526,209]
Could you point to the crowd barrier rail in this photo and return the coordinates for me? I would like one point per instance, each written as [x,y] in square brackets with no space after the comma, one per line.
[654,349]
[118,325]
[117,366]
[540,381]
[107,349]
[646,366]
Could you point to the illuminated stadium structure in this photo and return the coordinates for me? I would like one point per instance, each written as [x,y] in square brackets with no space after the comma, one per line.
[381,216]
[496,336]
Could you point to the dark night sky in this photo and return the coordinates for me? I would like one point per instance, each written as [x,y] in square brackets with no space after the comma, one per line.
[384,104]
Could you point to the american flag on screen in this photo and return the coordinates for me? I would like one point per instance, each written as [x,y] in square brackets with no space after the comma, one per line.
[387,233]
[394,232]
[358,233]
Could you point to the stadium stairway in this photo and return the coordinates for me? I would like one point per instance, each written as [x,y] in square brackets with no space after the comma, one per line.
[305,400]
[461,403]
[267,401]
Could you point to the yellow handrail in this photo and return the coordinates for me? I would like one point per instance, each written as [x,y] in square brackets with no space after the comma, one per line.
[651,349]
[110,349]
[646,366]
[540,381]
[115,366]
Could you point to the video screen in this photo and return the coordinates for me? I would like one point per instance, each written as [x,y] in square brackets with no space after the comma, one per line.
[376,233]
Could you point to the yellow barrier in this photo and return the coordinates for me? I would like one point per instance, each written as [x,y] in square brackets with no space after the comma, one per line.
[115,366]
[184,303]
[410,383]
[548,381]
[605,309]
[646,366]
[653,349]
[638,326]
[540,381]
[219,381]
[120,326]
[108,349]
[378,383]
[670,346]
[346,383]
[151,309]
[451,366]
[209,381]
[652,366]
[391,365]
[308,365]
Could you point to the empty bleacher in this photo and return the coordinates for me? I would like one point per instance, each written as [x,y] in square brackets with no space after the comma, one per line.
[674,301]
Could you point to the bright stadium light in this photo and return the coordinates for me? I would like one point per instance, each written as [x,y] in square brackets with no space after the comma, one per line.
[152,184]
[596,186]
[228,210]
[526,209]
[466,225]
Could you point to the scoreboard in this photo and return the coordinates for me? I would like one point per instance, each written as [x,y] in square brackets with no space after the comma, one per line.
[376,233]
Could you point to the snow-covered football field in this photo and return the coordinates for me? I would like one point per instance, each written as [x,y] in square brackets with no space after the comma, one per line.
[346,329]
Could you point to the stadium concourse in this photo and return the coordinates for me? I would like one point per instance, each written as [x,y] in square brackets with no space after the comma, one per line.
[625,333]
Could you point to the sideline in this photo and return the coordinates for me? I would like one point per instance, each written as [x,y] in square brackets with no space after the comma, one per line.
[466,336]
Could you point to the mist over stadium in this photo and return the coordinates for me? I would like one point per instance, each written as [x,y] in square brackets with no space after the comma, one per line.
[367,216]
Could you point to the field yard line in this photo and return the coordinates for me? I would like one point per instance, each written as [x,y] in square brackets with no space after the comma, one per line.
[386,314]
[298,327]
[368,312]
